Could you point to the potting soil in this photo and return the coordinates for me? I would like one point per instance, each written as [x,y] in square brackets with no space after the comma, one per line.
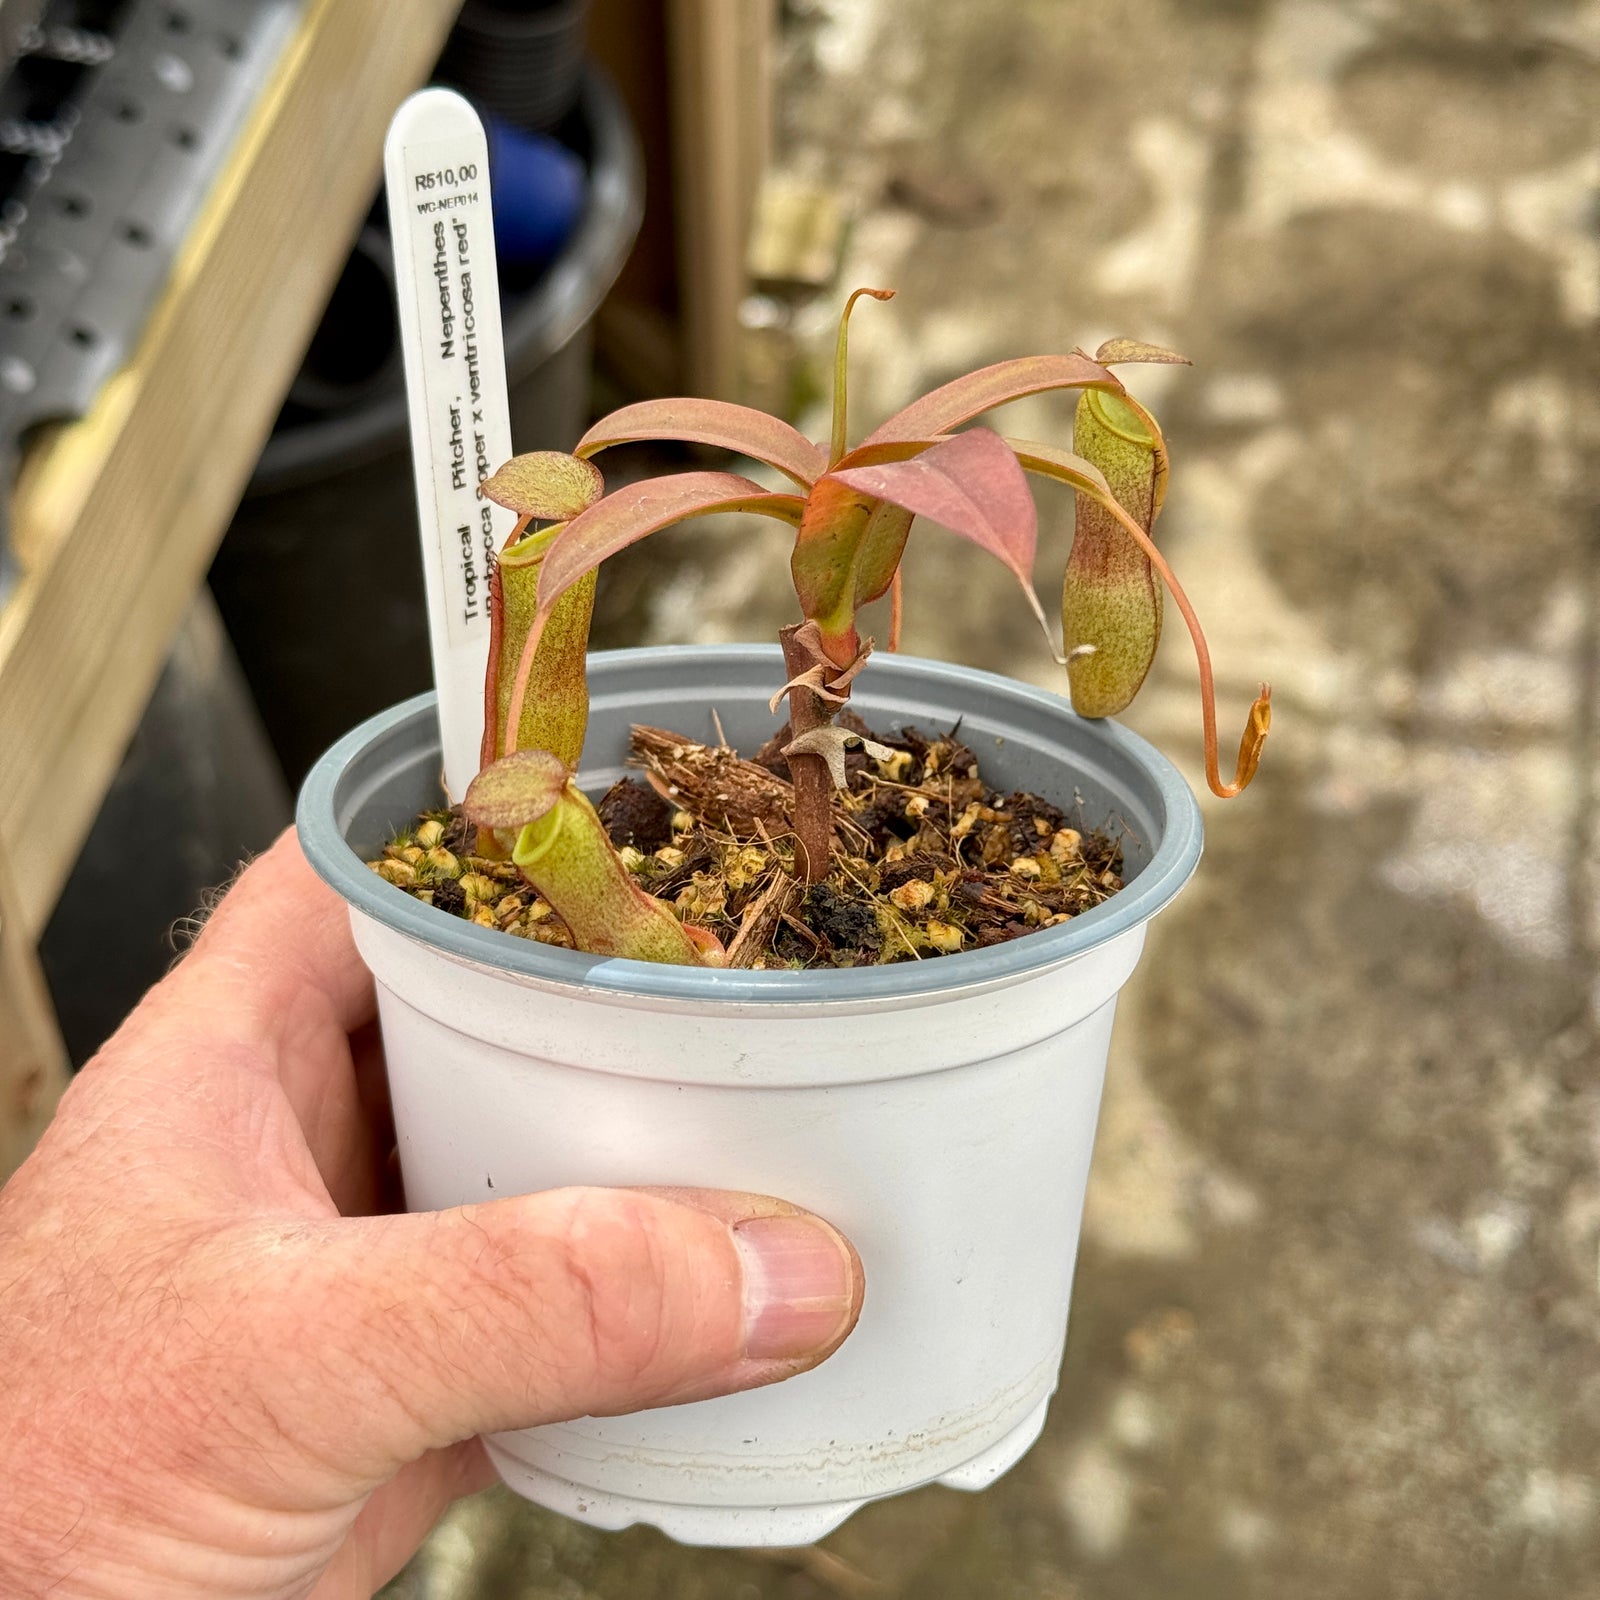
[928,860]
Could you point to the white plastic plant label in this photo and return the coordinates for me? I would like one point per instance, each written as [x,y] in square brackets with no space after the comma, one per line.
[437,171]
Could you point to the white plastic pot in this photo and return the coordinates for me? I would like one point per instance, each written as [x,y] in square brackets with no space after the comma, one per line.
[940,1112]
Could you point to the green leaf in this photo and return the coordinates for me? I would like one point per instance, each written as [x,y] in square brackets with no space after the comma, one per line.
[964,398]
[845,554]
[546,485]
[883,542]
[715,422]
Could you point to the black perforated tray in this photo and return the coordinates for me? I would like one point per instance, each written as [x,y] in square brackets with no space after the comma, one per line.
[114,120]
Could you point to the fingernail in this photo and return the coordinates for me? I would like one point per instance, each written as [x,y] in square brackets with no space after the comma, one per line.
[799,1287]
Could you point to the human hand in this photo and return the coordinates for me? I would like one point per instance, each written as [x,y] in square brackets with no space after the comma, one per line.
[223,1373]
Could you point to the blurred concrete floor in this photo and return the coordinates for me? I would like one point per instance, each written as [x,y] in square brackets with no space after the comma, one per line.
[1335,1331]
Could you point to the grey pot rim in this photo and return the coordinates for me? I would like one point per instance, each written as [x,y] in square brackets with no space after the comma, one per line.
[1171,865]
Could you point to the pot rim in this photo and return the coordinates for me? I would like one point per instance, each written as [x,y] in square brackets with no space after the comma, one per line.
[321,831]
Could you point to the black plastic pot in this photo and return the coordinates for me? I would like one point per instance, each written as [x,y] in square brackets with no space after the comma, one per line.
[522,59]
[355,354]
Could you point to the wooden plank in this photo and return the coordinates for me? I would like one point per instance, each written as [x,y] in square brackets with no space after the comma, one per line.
[721,99]
[118,518]
[33,1060]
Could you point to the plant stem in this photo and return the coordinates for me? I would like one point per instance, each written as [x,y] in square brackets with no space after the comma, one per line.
[813,788]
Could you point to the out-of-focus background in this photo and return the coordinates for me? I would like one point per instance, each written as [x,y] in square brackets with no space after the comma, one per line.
[1335,1330]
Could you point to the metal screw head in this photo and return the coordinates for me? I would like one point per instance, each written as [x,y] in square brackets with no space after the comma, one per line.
[173,72]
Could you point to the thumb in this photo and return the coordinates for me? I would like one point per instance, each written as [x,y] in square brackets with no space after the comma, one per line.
[574,1302]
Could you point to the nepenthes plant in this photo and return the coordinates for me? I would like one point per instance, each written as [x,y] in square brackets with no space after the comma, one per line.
[851,509]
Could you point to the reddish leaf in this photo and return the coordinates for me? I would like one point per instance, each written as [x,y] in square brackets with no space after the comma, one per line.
[715,422]
[972,485]
[1051,461]
[874,455]
[965,398]
[627,515]
[623,518]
